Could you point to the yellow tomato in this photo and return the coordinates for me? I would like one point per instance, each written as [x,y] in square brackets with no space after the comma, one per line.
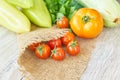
[87,23]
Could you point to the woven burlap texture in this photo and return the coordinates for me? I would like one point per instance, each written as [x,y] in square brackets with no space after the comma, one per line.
[38,35]
[71,68]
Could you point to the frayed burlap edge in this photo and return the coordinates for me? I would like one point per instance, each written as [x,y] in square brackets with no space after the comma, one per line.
[41,34]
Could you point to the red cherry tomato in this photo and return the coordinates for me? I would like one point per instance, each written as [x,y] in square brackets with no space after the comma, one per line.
[43,51]
[58,54]
[69,36]
[33,46]
[63,22]
[55,43]
[73,48]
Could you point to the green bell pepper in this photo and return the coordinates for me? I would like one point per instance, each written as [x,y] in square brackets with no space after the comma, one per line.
[38,14]
[21,3]
[12,18]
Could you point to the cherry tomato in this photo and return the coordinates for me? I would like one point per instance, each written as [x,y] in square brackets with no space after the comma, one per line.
[55,43]
[58,54]
[43,51]
[69,36]
[73,48]
[33,46]
[87,23]
[63,22]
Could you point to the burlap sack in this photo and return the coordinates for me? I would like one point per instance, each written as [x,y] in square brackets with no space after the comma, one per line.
[70,68]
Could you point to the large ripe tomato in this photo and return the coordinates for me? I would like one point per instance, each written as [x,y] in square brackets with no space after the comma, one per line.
[73,48]
[55,43]
[58,54]
[33,46]
[69,36]
[87,23]
[43,51]
[63,22]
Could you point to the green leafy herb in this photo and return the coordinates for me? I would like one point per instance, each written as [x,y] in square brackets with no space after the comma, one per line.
[62,7]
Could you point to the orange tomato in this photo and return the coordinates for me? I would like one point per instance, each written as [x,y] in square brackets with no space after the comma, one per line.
[55,43]
[33,46]
[43,51]
[73,48]
[58,54]
[69,36]
[87,23]
[63,22]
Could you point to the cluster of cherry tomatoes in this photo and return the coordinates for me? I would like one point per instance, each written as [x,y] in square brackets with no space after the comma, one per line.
[54,48]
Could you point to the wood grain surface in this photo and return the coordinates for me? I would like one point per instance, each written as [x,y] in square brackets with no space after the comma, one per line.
[105,60]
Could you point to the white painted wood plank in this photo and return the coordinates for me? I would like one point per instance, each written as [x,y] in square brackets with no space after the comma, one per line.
[8,53]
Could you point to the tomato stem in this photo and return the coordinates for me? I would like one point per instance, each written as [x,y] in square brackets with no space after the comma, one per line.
[40,49]
[73,43]
[59,16]
[54,51]
[85,19]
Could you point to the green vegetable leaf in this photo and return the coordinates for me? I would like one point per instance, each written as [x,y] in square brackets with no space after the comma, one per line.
[65,7]
[74,6]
